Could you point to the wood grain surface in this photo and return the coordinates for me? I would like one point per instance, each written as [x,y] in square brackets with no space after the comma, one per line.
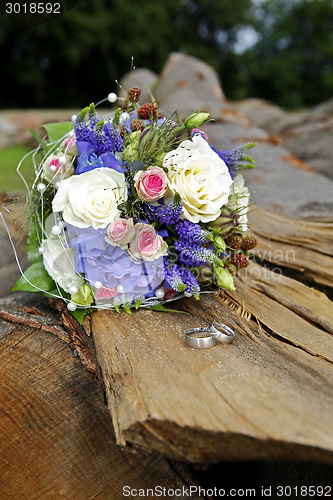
[56,435]
[266,396]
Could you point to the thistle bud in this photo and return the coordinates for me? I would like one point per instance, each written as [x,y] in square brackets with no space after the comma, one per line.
[219,243]
[223,278]
[196,119]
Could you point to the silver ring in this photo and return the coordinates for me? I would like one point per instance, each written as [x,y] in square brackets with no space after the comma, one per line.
[226,336]
[200,342]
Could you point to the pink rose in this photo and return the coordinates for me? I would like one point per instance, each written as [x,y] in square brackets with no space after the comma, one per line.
[69,145]
[147,244]
[201,132]
[57,167]
[106,293]
[120,232]
[151,184]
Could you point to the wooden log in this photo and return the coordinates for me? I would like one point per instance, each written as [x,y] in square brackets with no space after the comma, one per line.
[56,435]
[266,396]
[300,244]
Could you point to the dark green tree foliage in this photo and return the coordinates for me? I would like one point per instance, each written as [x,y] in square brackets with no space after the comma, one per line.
[69,60]
[76,57]
[292,64]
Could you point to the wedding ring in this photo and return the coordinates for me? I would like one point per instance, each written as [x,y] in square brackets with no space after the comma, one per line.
[226,336]
[200,342]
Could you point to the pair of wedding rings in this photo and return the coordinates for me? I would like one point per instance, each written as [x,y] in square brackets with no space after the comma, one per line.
[218,332]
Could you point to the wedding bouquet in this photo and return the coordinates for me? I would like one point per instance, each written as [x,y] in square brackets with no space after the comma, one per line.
[134,209]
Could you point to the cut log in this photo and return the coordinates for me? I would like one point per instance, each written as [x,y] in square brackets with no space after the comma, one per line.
[56,435]
[266,396]
[300,244]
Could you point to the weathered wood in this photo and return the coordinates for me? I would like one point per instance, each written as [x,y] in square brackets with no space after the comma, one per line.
[56,435]
[266,396]
[301,244]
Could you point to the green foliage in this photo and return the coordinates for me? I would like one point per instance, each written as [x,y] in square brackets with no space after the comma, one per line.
[56,131]
[79,314]
[9,159]
[85,50]
[292,64]
[35,279]
[160,308]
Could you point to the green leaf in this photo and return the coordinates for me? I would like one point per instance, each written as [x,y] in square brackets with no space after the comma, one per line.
[33,244]
[56,131]
[159,307]
[35,279]
[38,138]
[79,314]
[117,116]
[138,303]
[127,308]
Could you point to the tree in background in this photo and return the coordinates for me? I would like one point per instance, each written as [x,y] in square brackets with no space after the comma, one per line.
[76,57]
[292,63]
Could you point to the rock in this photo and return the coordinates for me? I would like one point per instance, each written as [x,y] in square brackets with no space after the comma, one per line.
[188,84]
[8,132]
[307,133]
[281,180]
[293,151]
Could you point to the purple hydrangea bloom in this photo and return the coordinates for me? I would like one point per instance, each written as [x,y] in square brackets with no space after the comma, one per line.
[112,265]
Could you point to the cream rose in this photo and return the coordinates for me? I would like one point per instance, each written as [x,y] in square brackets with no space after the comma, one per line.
[239,200]
[200,177]
[91,198]
[59,263]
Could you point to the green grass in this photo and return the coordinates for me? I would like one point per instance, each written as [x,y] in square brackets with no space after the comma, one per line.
[10,181]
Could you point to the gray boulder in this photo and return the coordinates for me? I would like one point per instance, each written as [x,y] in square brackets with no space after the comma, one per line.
[187,84]
[307,133]
[281,180]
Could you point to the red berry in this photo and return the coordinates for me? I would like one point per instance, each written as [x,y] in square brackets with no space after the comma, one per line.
[148,110]
[234,242]
[134,94]
[248,243]
[137,125]
[239,260]
[169,293]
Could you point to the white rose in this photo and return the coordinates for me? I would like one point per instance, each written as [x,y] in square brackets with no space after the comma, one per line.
[91,198]
[59,263]
[200,177]
[57,167]
[239,201]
